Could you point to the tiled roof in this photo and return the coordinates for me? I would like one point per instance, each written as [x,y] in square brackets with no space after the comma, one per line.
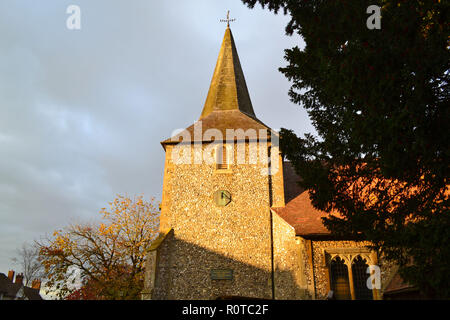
[10,289]
[7,287]
[291,188]
[298,211]
[397,284]
[221,121]
[32,294]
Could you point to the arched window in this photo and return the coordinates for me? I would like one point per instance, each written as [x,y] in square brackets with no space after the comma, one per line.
[339,279]
[222,157]
[360,276]
[348,274]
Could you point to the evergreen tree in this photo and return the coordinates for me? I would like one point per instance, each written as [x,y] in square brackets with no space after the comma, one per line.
[379,100]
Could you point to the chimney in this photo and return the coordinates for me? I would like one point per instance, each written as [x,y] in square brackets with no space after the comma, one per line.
[19,278]
[36,284]
[11,275]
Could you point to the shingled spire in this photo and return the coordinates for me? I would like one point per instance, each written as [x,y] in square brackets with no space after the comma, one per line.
[228,104]
[228,90]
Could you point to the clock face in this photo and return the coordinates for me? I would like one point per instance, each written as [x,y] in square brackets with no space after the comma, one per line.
[222,198]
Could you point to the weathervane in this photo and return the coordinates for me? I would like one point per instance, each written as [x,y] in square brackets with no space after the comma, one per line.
[227,20]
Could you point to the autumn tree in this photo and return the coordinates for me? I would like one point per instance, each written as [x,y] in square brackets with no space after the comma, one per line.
[106,259]
[88,291]
[27,260]
[379,100]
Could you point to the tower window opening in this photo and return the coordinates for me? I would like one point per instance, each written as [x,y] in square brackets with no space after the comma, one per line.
[222,157]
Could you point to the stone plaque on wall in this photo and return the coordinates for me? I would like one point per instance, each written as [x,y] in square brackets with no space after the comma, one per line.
[221,274]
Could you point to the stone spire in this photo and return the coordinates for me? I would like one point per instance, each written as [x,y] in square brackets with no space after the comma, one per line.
[228,90]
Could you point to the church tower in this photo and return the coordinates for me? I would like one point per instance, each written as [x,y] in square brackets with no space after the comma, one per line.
[234,224]
[216,237]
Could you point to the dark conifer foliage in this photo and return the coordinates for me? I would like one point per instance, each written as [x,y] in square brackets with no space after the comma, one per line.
[379,100]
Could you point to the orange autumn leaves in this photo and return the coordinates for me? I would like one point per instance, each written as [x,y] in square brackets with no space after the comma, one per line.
[390,197]
[108,256]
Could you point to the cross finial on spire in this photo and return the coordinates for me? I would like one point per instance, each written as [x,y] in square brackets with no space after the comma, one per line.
[227,20]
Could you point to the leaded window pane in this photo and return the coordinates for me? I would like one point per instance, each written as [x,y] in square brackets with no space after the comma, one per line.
[339,279]
[360,276]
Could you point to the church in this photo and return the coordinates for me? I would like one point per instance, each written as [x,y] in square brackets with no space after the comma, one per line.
[234,221]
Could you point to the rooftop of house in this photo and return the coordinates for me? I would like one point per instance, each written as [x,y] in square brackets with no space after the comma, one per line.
[11,289]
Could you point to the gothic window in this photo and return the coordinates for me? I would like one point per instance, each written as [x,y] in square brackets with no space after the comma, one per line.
[339,279]
[348,277]
[222,157]
[360,276]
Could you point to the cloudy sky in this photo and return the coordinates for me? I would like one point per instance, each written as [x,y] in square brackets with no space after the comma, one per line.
[82,112]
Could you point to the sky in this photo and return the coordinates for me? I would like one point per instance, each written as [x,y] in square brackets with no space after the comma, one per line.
[82,112]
